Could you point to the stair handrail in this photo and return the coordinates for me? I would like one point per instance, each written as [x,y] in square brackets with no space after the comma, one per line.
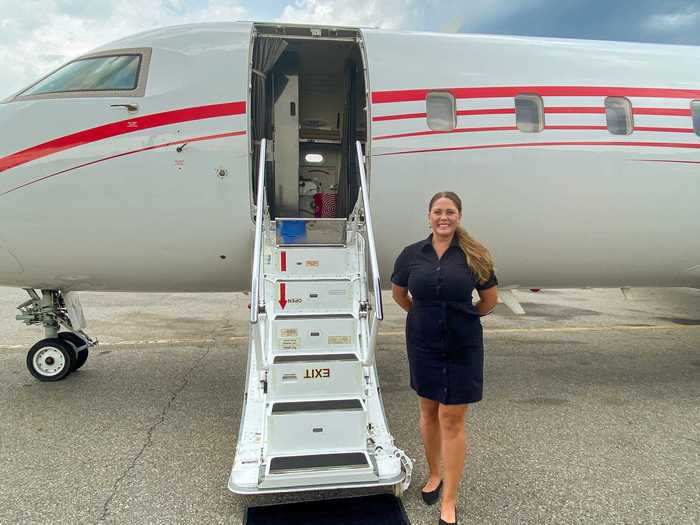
[374,264]
[255,305]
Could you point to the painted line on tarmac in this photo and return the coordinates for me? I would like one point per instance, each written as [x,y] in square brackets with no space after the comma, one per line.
[147,342]
[575,329]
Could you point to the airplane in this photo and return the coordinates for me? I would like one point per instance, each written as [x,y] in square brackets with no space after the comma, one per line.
[174,159]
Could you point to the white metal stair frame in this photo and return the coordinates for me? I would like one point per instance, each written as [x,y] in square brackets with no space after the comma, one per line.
[313,416]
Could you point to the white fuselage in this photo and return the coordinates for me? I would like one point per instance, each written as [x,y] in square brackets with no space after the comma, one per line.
[95,197]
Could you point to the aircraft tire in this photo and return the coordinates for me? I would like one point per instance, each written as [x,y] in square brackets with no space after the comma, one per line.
[51,359]
[77,342]
[82,358]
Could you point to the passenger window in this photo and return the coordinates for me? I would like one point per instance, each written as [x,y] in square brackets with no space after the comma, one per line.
[441,111]
[102,74]
[618,114]
[695,110]
[529,113]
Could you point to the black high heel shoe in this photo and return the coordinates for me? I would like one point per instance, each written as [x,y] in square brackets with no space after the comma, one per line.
[431,497]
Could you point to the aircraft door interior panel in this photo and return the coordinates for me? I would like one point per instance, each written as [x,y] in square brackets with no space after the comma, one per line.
[322,96]
[286,142]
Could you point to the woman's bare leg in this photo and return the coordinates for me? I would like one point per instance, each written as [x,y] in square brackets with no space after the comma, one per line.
[430,431]
[454,448]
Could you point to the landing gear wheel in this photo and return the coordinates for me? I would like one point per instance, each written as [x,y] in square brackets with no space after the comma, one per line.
[51,359]
[77,342]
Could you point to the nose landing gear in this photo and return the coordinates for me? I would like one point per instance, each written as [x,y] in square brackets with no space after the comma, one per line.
[61,353]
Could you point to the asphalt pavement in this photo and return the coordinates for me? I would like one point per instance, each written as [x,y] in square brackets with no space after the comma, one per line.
[591,413]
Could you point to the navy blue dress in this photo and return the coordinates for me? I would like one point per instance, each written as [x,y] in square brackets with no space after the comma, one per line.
[443,328]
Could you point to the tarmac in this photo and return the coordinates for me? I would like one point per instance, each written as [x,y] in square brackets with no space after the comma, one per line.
[591,413]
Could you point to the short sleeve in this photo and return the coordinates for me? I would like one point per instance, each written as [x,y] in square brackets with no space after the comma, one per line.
[490,282]
[400,275]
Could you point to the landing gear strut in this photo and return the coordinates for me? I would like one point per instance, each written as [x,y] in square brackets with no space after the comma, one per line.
[60,353]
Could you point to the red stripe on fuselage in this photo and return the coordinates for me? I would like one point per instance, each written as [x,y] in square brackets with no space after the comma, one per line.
[412,95]
[569,110]
[669,130]
[542,144]
[461,112]
[514,128]
[124,154]
[584,128]
[399,117]
[672,112]
[456,130]
[668,160]
[120,128]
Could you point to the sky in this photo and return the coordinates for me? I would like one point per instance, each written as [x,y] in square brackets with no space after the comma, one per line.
[37,36]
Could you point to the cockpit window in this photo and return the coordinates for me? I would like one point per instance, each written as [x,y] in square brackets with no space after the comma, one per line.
[116,73]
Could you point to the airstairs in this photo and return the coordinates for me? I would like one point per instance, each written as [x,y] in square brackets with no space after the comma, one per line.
[313,417]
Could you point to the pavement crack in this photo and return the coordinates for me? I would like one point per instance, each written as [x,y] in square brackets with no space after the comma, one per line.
[148,441]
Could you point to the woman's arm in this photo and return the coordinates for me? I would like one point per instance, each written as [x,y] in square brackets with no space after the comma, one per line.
[489,300]
[401,297]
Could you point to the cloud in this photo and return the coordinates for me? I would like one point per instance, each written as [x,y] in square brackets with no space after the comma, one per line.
[477,13]
[43,34]
[671,21]
[387,14]
[685,18]
[423,15]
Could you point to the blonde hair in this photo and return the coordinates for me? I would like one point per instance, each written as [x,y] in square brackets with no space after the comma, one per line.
[478,257]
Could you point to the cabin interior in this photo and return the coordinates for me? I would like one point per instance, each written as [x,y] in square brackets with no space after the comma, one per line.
[308,99]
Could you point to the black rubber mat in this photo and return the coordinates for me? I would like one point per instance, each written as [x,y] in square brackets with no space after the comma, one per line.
[383,509]
[344,459]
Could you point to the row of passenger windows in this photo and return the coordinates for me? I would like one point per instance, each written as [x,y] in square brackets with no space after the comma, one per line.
[529,113]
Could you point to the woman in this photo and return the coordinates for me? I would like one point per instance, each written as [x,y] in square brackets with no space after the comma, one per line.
[444,338]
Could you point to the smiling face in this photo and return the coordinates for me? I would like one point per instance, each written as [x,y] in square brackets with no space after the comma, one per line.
[444,217]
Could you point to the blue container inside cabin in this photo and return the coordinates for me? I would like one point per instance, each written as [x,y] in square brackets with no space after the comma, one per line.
[293,231]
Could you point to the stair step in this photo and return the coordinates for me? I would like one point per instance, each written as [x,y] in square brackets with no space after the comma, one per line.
[309,262]
[315,315]
[305,280]
[337,469]
[282,464]
[316,426]
[311,358]
[308,297]
[315,376]
[310,232]
[314,333]
[316,406]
